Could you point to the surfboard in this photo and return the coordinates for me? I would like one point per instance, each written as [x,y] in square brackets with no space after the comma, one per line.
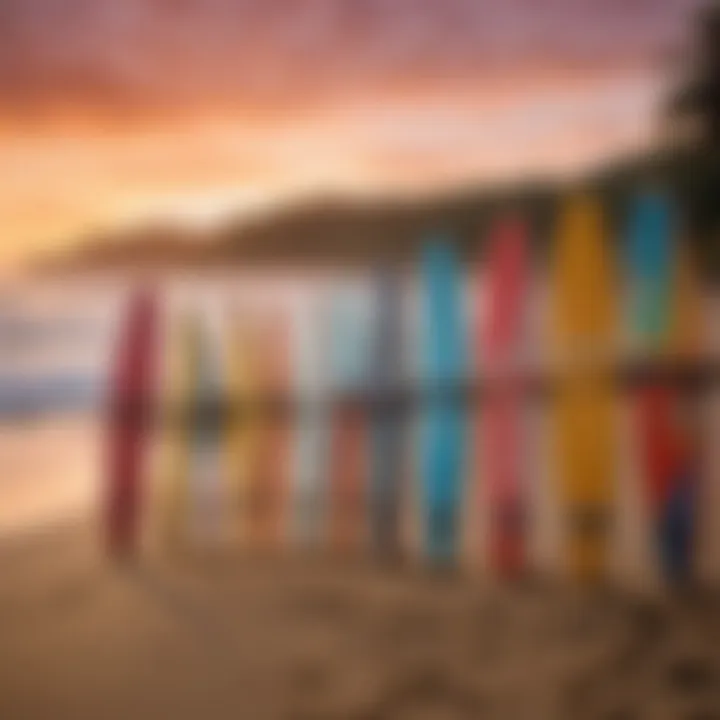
[583,333]
[444,418]
[242,428]
[206,479]
[259,434]
[500,344]
[348,345]
[131,397]
[666,325]
[388,420]
[274,448]
[309,502]
[178,401]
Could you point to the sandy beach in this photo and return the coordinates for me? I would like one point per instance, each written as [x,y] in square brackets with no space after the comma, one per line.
[226,635]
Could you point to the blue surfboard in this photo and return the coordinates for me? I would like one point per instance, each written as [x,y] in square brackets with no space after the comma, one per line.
[444,418]
[388,421]
[650,261]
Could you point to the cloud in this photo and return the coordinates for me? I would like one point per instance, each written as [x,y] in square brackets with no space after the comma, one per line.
[114,109]
[149,57]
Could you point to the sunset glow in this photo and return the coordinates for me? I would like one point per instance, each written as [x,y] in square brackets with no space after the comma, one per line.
[116,113]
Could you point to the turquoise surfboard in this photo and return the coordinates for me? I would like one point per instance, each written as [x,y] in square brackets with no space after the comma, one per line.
[444,417]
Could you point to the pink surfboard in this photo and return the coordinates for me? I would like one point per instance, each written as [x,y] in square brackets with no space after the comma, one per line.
[132,385]
[500,337]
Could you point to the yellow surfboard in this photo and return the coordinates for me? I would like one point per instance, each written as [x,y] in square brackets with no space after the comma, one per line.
[258,433]
[243,431]
[582,337]
[179,391]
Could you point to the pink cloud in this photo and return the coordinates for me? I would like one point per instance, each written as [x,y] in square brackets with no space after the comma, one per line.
[142,56]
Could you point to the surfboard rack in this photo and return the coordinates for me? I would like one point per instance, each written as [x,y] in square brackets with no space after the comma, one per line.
[469,369]
[689,377]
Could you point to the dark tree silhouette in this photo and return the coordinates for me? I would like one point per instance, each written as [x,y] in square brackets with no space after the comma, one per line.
[698,99]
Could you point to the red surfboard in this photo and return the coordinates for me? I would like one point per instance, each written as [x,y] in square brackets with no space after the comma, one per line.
[347,469]
[500,336]
[131,388]
[270,485]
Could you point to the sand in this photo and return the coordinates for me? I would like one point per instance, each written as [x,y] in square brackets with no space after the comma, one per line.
[224,635]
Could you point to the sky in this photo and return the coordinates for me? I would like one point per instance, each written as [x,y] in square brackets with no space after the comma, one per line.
[115,112]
